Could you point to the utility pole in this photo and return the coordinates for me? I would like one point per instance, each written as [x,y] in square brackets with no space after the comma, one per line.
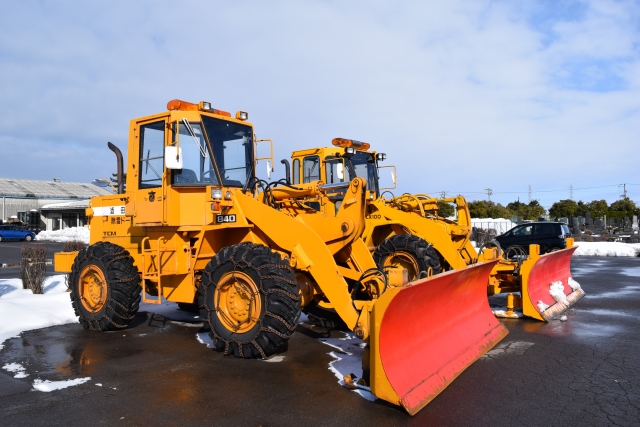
[529,193]
[489,193]
[624,186]
[443,194]
[571,192]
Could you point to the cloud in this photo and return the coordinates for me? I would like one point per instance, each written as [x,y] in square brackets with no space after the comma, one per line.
[462,96]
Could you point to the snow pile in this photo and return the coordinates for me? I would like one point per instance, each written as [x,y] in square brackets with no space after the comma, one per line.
[607,249]
[17,368]
[21,310]
[348,361]
[556,290]
[516,313]
[542,306]
[66,235]
[573,284]
[48,386]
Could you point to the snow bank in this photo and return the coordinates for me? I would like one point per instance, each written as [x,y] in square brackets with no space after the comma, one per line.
[607,249]
[66,235]
[21,310]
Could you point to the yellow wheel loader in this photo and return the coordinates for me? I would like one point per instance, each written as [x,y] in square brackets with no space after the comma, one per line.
[406,231]
[193,227]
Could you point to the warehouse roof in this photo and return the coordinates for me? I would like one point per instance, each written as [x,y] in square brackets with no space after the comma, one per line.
[80,204]
[49,189]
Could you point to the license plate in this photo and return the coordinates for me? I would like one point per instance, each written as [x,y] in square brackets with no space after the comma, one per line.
[225,218]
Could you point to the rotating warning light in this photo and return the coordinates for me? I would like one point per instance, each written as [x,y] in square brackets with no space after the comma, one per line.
[344,143]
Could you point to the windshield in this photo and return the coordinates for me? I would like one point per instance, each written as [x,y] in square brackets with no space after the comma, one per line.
[232,145]
[197,166]
[364,166]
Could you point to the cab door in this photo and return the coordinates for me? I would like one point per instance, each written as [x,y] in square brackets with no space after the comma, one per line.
[150,197]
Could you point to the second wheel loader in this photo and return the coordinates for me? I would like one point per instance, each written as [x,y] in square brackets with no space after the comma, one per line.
[192,228]
[406,231]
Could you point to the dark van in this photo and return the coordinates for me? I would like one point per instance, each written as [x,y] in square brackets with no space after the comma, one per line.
[550,236]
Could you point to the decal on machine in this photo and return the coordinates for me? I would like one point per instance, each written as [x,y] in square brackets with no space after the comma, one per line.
[108,210]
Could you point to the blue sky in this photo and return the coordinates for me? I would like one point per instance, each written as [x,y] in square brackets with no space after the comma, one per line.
[461,95]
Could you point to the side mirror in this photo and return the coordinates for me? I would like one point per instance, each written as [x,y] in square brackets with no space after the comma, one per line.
[173,157]
[268,169]
[340,171]
[393,177]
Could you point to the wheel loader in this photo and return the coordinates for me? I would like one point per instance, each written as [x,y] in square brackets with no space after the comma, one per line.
[407,231]
[195,226]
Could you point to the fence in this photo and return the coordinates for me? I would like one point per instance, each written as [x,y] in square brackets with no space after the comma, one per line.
[484,230]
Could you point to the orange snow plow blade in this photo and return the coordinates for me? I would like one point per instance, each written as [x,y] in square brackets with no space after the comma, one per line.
[548,289]
[425,334]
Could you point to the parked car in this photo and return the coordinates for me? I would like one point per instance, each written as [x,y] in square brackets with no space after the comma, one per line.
[550,236]
[13,232]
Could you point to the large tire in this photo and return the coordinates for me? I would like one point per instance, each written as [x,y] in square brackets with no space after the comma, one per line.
[250,301]
[105,287]
[410,252]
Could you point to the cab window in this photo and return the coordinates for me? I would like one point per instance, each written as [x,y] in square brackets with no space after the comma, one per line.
[151,155]
[334,171]
[311,169]
[296,171]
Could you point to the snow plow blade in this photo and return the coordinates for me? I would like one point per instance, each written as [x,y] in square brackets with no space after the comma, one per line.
[548,289]
[425,334]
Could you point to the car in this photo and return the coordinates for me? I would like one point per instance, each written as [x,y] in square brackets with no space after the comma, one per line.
[551,236]
[13,232]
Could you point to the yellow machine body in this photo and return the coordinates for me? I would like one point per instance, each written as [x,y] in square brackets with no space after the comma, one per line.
[173,224]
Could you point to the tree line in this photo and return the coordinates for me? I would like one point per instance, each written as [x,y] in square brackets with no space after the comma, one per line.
[533,210]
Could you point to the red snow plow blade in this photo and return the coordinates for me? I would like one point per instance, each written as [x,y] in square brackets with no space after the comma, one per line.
[548,289]
[425,334]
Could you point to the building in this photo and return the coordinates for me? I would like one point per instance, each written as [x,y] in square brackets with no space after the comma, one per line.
[46,205]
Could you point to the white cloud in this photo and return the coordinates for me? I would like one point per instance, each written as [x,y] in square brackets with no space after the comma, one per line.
[460,95]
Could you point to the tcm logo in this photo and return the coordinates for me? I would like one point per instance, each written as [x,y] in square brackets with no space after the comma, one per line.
[108,233]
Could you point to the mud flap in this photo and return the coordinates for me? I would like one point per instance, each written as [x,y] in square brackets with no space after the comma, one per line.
[425,334]
[548,289]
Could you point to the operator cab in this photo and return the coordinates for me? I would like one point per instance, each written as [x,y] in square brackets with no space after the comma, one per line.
[334,165]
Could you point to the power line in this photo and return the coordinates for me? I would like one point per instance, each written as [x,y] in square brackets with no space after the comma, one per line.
[536,191]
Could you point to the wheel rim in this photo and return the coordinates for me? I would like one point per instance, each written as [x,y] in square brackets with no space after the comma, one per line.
[93,288]
[237,302]
[403,260]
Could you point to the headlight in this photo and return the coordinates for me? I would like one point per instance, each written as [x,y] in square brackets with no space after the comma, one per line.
[206,105]
[242,115]
[227,195]
[381,157]
[350,151]
[216,193]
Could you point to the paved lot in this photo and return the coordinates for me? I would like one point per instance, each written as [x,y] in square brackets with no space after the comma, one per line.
[582,372]
[10,253]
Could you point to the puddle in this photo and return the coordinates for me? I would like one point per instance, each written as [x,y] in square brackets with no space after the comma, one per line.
[592,330]
[633,272]
[623,292]
[604,312]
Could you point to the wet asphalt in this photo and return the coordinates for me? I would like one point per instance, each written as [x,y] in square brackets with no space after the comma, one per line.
[582,372]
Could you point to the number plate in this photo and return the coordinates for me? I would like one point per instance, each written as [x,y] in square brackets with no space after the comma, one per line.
[225,218]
